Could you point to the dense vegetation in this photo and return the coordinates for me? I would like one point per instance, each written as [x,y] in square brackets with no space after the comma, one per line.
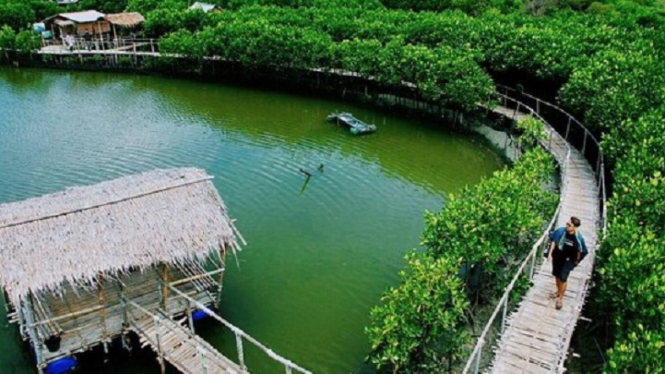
[422,324]
[605,61]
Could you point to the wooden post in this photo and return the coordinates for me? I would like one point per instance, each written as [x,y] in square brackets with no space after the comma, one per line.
[204,361]
[505,310]
[165,289]
[189,317]
[102,311]
[568,127]
[222,257]
[476,365]
[586,135]
[32,332]
[241,354]
[159,345]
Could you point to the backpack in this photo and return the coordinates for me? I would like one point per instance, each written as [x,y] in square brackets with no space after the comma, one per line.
[580,240]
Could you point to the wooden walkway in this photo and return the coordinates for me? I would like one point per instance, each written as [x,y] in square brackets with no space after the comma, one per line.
[185,350]
[536,336]
[190,354]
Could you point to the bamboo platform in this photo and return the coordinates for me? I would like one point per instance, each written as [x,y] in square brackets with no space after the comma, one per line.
[83,320]
[537,336]
[186,351]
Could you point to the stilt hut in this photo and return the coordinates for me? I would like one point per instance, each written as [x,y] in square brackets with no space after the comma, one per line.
[72,261]
[124,23]
[89,22]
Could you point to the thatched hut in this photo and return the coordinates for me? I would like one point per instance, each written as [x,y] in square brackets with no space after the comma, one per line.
[90,22]
[123,23]
[71,260]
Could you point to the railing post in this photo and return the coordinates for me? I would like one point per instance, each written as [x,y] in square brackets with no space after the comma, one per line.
[288,369]
[586,134]
[476,365]
[538,106]
[241,354]
[568,127]
[204,360]
[159,345]
[189,317]
[517,109]
[505,311]
[532,265]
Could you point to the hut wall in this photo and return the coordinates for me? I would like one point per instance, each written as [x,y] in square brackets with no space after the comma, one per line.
[93,28]
[78,313]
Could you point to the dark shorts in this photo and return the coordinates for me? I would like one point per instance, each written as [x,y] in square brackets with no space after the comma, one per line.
[562,266]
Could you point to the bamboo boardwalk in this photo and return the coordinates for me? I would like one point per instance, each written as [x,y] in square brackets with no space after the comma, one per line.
[175,343]
[536,336]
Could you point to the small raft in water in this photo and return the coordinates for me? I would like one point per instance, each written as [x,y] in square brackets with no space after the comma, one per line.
[355,125]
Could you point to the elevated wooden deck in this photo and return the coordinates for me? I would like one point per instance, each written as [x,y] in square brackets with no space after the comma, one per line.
[536,336]
[83,319]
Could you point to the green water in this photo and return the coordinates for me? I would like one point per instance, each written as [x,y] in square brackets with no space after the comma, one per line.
[318,255]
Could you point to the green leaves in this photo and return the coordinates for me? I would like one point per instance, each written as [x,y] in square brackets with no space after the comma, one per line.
[422,318]
[473,245]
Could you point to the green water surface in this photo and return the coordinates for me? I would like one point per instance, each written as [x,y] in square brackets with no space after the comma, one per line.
[318,255]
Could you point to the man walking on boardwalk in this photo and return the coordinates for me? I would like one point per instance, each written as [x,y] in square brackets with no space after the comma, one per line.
[566,251]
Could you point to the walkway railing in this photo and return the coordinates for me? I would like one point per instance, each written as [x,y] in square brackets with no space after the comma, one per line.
[572,130]
[521,108]
[240,335]
[102,44]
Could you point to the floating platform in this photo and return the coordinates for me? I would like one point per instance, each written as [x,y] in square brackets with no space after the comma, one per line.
[355,125]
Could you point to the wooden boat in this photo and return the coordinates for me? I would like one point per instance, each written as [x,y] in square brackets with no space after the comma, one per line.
[355,125]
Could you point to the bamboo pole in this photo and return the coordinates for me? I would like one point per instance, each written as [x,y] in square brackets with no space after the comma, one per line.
[196,277]
[222,257]
[32,333]
[68,315]
[102,303]
[165,289]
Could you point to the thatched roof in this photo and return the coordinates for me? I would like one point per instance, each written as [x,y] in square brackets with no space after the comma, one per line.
[130,19]
[163,216]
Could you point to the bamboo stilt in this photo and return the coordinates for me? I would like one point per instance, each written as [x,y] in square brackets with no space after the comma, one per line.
[102,304]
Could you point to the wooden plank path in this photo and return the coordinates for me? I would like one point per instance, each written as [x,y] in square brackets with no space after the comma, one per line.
[537,336]
[185,350]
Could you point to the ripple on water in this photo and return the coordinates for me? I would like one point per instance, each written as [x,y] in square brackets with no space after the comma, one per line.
[321,249]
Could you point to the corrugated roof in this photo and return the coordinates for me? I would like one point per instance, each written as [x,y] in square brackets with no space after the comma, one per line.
[83,17]
[125,19]
[163,216]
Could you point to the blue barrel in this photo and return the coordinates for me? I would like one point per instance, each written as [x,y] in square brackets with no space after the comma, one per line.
[61,366]
[199,315]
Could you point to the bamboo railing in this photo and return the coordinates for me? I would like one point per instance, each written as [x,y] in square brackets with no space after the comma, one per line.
[588,140]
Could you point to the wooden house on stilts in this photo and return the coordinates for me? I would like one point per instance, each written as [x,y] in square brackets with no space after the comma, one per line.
[141,254]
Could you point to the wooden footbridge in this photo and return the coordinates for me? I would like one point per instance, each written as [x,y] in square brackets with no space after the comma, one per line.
[177,343]
[535,337]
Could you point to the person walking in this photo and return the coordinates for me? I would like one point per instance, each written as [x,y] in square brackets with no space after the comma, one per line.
[567,249]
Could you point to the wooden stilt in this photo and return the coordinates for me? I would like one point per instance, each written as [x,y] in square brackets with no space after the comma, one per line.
[222,257]
[165,289]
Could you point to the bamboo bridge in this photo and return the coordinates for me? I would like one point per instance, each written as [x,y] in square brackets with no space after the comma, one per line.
[178,344]
[535,338]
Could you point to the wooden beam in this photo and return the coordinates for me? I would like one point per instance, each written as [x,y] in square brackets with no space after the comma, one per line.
[68,315]
[196,277]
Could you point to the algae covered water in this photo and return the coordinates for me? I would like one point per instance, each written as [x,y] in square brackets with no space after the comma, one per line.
[320,251]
